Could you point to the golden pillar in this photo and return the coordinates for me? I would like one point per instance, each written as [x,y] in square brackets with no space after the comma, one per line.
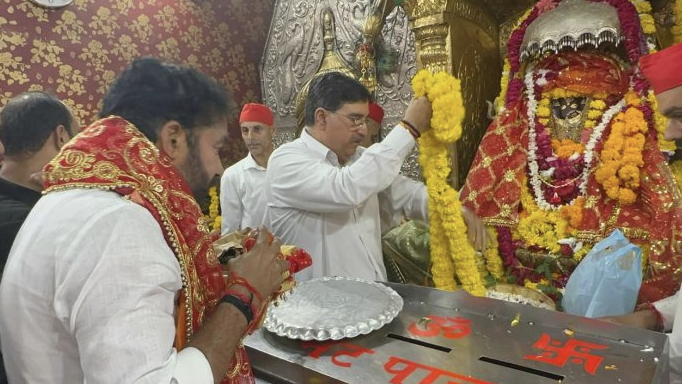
[461,38]
[428,20]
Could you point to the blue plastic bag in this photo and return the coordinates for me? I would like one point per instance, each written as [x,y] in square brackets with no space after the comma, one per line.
[607,280]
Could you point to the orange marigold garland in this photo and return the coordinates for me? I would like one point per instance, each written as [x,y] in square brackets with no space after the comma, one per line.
[450,248]
[621,158]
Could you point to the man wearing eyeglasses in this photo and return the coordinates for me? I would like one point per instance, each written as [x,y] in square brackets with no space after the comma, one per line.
[327,194]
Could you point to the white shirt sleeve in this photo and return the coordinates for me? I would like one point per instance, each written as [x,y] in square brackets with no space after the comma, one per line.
[231,206]
[404,198]
[671,307]
[119,306]
[300,181]
[192,367]
[667,307]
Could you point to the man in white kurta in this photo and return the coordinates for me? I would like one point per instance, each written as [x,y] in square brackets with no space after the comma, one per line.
[242,195]
[325,192]
[82,293]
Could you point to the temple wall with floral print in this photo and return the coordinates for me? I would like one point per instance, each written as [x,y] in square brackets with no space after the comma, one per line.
[76,51]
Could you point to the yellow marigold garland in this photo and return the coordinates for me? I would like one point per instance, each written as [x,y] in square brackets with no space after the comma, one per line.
[450,248]
[506,69]
[504,86]
[529,284]
[597,107]
[676,30]
[493,260]
[544,229]
[578,256]
[544,111]
[442,267]
[213,218]
[660,123]
[645,18]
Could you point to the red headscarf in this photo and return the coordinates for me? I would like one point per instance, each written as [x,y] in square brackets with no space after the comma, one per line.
[376,113]
[254,112]
[663,69]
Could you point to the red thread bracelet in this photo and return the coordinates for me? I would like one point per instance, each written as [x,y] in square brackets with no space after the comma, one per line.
[411,128]
[238,280]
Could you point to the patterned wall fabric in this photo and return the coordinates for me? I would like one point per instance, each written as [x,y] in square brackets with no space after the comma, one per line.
[76,51]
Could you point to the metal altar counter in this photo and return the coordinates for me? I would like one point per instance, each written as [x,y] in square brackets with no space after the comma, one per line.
[455,338]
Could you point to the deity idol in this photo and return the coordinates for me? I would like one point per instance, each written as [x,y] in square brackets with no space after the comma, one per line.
[574,152]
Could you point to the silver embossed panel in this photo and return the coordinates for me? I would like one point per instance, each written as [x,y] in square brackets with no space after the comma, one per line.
[294,51]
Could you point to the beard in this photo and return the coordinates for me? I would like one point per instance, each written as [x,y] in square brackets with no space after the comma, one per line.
[195,174]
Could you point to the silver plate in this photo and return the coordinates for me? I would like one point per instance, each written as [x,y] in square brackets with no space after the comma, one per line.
[333,308]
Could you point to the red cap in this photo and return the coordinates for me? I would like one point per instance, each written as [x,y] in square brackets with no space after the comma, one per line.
[256,112]
[663,69]
[376,113]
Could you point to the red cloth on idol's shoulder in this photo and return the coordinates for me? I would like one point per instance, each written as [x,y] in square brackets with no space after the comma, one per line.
[660,202]
[493,185]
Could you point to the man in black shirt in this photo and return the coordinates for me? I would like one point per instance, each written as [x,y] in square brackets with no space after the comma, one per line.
[33,127]
[15,203]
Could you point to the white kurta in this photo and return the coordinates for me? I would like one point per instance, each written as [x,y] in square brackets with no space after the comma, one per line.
[670,308]
[333,211]
[88,296]
[242,196]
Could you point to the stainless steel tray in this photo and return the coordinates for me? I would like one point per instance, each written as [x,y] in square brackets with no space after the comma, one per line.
[333,308]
